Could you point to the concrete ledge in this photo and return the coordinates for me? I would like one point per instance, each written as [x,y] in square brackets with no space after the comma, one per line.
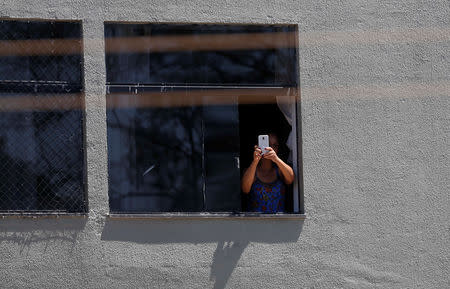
[226,216]
[156,216]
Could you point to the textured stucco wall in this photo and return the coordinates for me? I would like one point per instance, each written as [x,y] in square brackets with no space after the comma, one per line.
[375,84]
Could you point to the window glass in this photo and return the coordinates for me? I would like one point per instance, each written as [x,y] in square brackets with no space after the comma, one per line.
[175,97]
[41,139]
[201,54]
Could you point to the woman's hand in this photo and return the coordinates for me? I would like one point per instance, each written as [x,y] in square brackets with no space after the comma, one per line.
[257,154]
[286,171]
[270,154]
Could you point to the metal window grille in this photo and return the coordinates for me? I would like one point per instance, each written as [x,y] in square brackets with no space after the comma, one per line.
[41,117]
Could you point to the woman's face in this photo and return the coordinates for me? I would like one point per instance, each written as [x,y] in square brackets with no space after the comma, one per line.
[273,142]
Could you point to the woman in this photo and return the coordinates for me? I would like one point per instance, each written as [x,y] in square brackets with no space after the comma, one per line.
[266,179]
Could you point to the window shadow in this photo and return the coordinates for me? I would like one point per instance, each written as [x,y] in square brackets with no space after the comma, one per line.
[26,231]
[231,236]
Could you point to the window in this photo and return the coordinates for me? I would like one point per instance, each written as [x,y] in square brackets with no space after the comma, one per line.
[41,118]
[185,103]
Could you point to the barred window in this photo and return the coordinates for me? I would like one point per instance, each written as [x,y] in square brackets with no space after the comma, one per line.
[41,117]
[185,103]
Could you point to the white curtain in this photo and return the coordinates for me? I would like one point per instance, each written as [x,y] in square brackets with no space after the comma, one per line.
[286,105]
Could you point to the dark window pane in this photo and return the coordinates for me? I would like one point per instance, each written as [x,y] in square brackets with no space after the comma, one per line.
[41,121]
[201,54]
[155,159]
[55,56]
[221,151]
[174,158]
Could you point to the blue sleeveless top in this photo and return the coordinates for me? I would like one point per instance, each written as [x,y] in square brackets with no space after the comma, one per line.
[267,197]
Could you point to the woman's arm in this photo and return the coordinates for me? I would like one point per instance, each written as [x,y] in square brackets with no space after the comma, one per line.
[249,175]
[286,171]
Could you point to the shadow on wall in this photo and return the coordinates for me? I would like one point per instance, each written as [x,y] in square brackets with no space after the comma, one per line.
[225,259]
[26,231]
[231,236]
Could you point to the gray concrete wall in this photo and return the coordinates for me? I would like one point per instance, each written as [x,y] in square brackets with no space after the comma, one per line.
[375,84]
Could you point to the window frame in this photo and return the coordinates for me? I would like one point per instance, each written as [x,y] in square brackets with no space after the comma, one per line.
[298,198]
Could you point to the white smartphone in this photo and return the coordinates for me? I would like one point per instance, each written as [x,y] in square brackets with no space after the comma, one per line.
[263,142]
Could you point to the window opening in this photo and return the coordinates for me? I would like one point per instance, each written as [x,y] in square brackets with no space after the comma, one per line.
[180,110]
